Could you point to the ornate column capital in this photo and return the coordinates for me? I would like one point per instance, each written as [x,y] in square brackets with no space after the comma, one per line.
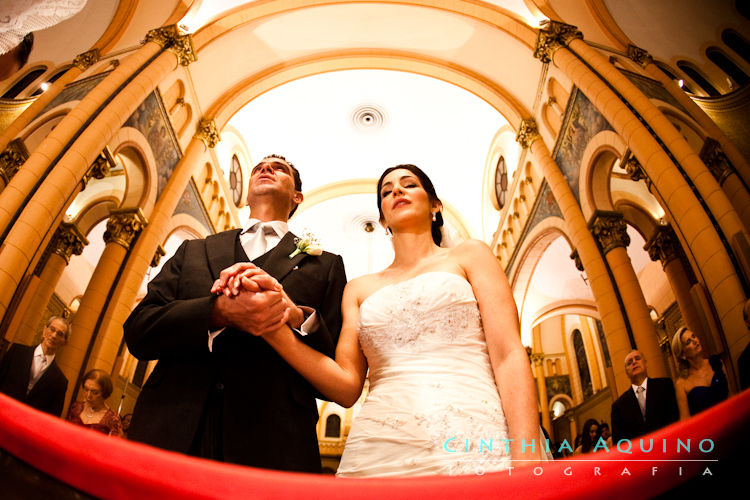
[554,36]
[610,230]
[160,252]
[634,168]
[577,260]
[100,168]
[537,358]
[639,56]
[528,132]
[717,162]
[67,240]
[663,246]
[13,156]
[123,225]
[84,60]
[208,132]
[171,38]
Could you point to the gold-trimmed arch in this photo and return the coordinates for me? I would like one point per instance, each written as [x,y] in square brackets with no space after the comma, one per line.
[234,98]
[367,186]
[493,15]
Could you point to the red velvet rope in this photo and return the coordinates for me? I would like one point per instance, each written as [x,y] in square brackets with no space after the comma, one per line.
[110,467]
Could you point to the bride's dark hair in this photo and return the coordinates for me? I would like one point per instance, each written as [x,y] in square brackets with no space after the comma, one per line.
[437,235]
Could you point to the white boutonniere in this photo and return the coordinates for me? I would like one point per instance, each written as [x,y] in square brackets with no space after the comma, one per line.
[308,244]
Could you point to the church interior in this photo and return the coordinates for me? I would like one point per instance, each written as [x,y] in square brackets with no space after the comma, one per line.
[598,147]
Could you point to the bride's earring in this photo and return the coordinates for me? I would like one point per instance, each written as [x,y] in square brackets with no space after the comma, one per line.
[434,217]
[387,231]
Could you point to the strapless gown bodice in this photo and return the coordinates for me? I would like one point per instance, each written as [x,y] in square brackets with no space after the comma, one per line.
[433,406]
[704,397]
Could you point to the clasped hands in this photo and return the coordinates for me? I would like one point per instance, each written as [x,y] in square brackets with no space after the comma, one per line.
[253,301]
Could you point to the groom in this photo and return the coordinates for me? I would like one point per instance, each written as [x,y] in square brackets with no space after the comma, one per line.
[219,391]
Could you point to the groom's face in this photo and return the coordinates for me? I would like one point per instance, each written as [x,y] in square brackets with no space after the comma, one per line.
[273,176]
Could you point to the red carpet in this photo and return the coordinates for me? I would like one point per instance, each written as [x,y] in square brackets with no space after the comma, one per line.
[705,446]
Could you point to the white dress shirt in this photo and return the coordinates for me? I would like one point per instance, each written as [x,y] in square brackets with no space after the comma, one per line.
[39,364]
[274,232]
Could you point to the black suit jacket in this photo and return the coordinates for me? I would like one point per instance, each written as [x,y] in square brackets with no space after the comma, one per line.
[661,410]
[269,411]
[47,395]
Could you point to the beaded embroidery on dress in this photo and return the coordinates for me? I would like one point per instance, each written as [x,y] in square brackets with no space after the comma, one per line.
[433,406]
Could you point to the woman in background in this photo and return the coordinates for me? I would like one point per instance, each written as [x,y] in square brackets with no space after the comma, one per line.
[93,412]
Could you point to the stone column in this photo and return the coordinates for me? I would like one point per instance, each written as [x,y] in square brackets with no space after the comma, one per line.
[122,227]
[68,240]
[664,247]
[56,192]
[610,231]
[726,175]
[596,271]
[736,158]
[144,250]
[537,358]
[691,222]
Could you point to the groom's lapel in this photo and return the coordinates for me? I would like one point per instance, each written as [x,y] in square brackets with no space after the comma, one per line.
[220,251]
[278,264]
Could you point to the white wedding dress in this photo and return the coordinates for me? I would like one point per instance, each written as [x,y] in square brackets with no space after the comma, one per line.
[433,406]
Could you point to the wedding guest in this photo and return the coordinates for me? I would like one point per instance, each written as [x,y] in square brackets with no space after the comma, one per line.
[93,412]
[589,437]
[218,392]
[743,362]
[438,330]
[646,406]
[31,375]
[606,435]
[125,419]
[703,381]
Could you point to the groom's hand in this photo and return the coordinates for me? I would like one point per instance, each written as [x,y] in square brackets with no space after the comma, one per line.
[243,275]
[254,312]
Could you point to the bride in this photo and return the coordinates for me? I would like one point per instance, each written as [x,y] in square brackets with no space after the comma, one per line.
[451,390]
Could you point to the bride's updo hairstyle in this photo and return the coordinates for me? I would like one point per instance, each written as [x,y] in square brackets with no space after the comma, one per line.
[437,235]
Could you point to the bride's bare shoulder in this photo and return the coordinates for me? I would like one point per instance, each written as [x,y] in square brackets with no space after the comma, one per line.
[363,286]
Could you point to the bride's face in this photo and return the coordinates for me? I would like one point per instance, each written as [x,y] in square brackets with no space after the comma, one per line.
[404,199]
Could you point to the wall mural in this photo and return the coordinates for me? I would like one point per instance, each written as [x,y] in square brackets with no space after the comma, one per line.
[151,120]
[652,89]
[582,122]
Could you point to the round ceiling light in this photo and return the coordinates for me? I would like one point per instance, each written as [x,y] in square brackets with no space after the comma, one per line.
[368,118]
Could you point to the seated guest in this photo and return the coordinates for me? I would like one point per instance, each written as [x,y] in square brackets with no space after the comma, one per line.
[703,381]
[589,437]
[743,362]
[93,412]
[30,374]
[649,404]
[605,433]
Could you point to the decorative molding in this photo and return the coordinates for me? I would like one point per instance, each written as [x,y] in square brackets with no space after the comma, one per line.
[67,240]
[554,36]
[84,60]
[639,56]
[100,168]
[123,225]
[160,252]
[208,132]
[717,162]
[172,39]
[537,358]
[663,246]
[577,260]
[13,156]
[634,168]
[528,132]
[610,230]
